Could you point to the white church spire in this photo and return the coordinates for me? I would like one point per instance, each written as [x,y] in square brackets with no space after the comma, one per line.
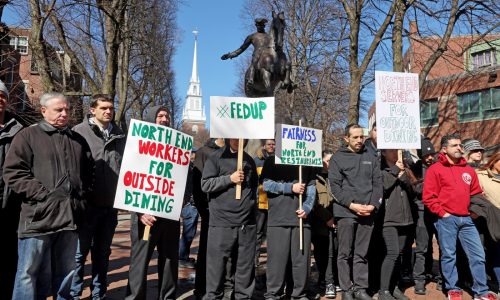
[194,72]
[194,110]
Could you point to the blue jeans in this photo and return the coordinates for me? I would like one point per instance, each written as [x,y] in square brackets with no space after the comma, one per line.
[449,229]
[189,215]
[45,261]
[96,235]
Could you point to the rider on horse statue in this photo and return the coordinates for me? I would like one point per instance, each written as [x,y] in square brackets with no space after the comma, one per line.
[268,59]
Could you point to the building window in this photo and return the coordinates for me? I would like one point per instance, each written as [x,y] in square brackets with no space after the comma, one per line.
[484,59]
[20,43]
[429,113]
[479,105]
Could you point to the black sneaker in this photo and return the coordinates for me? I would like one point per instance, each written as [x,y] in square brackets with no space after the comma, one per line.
[399,295]
[347,295]
[361,295]
[420,287]
[330,292]
[385,295]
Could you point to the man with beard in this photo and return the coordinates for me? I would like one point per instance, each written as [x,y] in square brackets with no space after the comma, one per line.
[164,236]
[356,182]
[448,187]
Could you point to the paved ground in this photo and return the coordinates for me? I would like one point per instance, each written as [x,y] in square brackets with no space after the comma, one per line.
[118,272]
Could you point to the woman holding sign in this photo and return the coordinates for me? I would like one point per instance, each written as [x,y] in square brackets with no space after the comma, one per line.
[397,214]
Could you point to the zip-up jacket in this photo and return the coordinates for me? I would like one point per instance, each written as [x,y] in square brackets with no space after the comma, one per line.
[52,170]
[355,177]
[398,194]
[225,210]
[448,187]
[7,133]
[107,154]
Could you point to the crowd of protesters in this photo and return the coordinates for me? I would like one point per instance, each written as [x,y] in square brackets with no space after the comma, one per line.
[366,207]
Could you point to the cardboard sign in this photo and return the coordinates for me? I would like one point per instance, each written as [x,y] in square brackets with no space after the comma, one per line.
[296,145]
[397,110]
[240,117]
[154,170]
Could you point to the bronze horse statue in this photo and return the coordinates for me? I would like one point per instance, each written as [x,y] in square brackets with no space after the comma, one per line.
[269,68]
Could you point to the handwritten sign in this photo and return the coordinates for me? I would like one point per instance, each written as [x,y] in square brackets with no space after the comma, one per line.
[397,110]
[240,117]
[154,170]
[296,145]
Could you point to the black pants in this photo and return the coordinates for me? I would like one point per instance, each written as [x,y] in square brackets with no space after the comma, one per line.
[261,218]
[283,245]
[423,246]
[325,255]
[227,242]
[354,239]
[201,258]
[395,240]
[164,235]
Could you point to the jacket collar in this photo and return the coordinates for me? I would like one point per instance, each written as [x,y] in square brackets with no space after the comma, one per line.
[45,126]
[444,161]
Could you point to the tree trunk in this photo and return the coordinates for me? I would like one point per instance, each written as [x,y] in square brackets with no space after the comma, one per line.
[38,46]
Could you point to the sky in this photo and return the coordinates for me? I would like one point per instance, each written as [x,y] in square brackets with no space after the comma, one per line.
[221,30]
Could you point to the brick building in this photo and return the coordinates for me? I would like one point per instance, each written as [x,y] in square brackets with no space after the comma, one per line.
[462,90]
[19,71]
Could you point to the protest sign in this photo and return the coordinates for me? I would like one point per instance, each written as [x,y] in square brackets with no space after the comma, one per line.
[397,110]
[154,170]
[241,117]
[296,145]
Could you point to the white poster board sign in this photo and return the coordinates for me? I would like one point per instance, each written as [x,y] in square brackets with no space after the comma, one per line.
[154,170]
[241,117]
[397,110]
[296,145]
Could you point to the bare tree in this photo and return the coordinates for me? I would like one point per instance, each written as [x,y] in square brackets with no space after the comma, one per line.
[315,44]
[109,43]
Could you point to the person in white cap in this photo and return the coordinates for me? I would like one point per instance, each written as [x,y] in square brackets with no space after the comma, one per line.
[9,210]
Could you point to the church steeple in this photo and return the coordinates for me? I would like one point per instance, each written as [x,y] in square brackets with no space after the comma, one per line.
[193,115]
[194,72]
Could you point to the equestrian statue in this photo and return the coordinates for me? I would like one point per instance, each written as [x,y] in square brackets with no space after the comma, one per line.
[269,68]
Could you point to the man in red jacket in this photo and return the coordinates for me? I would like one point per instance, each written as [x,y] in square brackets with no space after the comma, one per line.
[448,186]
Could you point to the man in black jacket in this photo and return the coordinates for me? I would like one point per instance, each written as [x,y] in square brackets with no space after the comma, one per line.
[425,222]
[107,143]
[232,221]
[164,235]
[10,206]
[50,168]
[356,183]
[201,203]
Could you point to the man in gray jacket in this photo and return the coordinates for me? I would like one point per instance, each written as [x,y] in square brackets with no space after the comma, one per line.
[50,168]
[356,182]
[107,143]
